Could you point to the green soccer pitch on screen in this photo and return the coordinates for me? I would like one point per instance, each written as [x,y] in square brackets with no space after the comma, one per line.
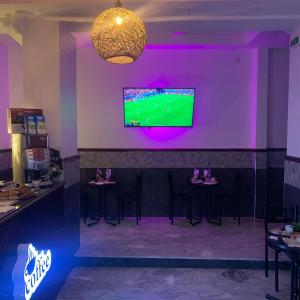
[148,107]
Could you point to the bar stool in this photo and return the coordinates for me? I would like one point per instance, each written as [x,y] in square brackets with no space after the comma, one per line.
[234,197]
[135,196]
[173,197]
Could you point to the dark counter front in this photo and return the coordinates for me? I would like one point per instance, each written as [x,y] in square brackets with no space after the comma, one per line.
[37,242]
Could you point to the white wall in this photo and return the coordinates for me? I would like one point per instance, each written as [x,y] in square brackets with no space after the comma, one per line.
[224,112]
[293,139]
[278,97]
[15,75]
[4,98]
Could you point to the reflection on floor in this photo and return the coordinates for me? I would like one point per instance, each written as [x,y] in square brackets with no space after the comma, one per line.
[170,284]
[155,237]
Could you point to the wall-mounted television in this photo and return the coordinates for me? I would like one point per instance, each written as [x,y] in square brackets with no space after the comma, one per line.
[158,107]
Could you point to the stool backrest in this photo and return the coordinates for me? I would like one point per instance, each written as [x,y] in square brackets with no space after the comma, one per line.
[237,185]
[171,186]
[139,180]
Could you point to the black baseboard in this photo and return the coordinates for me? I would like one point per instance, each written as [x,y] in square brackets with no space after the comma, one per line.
[144,262]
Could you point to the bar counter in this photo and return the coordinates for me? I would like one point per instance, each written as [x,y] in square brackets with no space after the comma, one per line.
[23,205]
[45,230]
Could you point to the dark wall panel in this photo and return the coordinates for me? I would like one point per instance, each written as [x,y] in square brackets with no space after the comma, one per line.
[155,190]
[292,198]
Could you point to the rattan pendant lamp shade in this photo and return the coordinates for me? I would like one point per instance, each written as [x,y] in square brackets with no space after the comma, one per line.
[118,35]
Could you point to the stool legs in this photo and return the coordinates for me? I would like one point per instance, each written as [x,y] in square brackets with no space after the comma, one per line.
[276,271]
[137,212]
[266,260]
[191,211]
[119,211]
[219,213]
[140,208]
[172,212]
[294,279]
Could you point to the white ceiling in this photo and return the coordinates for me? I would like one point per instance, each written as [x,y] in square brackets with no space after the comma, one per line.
[164,16]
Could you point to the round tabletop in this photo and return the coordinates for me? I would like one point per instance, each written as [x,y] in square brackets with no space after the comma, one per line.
[279,242]
[201,183]
[101,183]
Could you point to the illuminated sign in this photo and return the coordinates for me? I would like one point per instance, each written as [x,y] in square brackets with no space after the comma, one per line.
[30,269]
[36,268]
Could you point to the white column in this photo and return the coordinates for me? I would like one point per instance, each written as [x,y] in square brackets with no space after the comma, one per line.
[293,138]
[15,74]
[49,76]
[262,98]
[68,92]
[41,74]
[4,98]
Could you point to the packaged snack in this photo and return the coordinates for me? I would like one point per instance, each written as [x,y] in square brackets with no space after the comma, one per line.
[16,118]
[40,124]
[29,123]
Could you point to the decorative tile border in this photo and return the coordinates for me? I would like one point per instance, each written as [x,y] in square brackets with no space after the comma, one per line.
[166,159]
[261,160]
[276,158]
[71,167]
[292,172]
[5,159]
[214,158]
[163,159]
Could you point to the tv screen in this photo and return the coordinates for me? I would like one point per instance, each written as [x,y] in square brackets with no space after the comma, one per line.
[158,107]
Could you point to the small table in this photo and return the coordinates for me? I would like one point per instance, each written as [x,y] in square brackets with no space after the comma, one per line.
[102,186]
[208,187]
[294,254]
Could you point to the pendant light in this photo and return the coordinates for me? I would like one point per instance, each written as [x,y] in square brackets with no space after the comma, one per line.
[118,35]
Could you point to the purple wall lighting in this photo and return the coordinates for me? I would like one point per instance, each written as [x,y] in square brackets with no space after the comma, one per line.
[254,99]
[225,102]
[161,134]
[179,33]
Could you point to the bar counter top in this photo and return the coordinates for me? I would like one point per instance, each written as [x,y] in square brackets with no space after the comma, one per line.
[23,205]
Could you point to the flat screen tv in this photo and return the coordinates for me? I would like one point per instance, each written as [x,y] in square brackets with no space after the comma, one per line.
[159,107]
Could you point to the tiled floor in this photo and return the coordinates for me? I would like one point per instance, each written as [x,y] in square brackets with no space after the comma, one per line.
[171,284]
[155,237]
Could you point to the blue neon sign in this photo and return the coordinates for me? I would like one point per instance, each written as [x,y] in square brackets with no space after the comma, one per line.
[29,271]
[37,266]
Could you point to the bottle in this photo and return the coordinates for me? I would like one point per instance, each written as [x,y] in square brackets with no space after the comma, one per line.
[209,174]
[205,175]
[196,174]
[108,174]
[98,175]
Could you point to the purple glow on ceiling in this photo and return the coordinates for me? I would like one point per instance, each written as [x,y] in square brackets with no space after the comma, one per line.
[191,47]
[273,39]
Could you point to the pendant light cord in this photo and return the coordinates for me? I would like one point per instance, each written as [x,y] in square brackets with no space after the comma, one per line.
[118,3]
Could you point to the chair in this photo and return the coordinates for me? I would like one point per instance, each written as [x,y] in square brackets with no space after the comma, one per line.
[274,215]
[234,197]
[173,197]
[135,196]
